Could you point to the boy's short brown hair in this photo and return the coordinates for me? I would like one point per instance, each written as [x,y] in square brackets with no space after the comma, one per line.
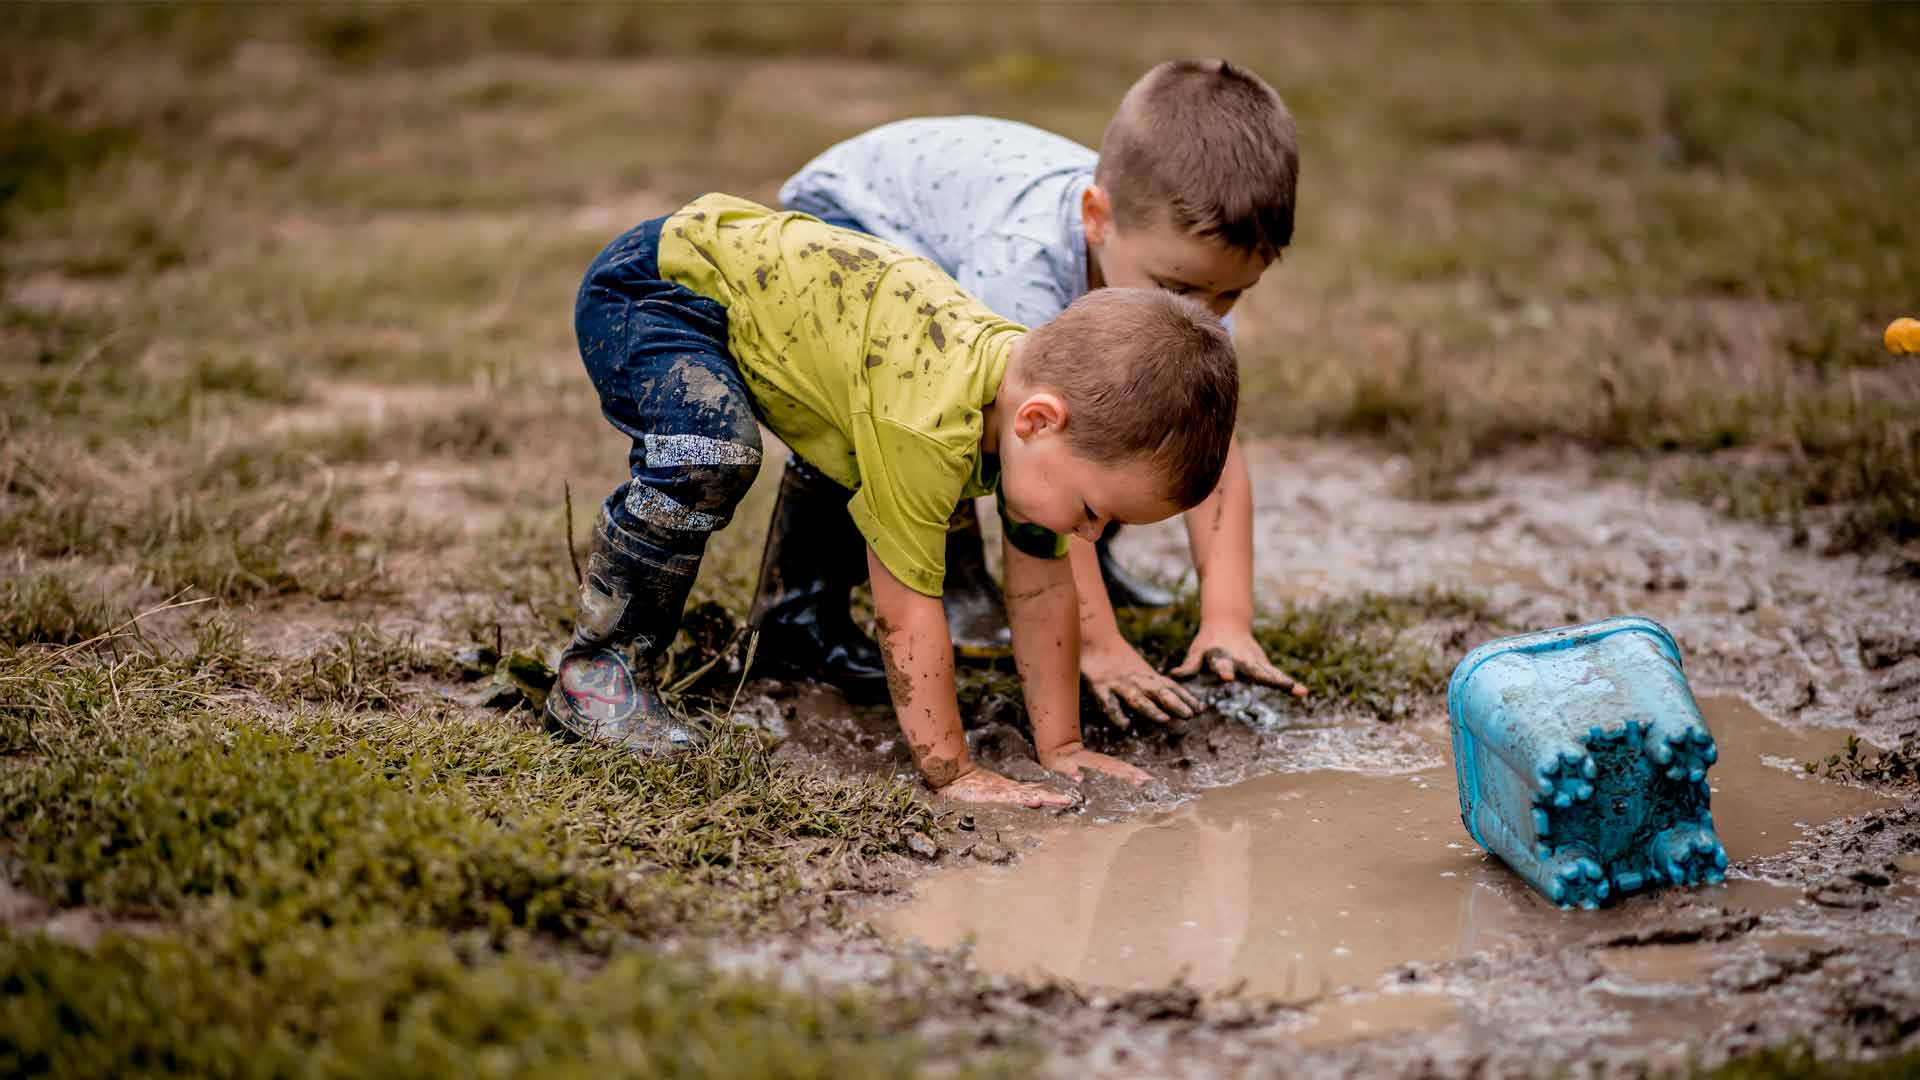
[1144,373]
[1210,144]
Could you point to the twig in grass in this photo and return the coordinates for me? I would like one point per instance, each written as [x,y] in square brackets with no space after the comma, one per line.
[566,489]
[753,643]
[684,683]
[171,603]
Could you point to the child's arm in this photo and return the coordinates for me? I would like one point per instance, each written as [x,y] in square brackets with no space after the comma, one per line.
[1042,607]
[1117,674]
[1220,532]
[918,649]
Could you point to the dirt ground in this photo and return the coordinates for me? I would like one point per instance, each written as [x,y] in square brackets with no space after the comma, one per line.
[1817,945]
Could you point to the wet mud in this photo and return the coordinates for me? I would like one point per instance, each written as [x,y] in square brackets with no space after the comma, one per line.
[1307,883]
[1295,894]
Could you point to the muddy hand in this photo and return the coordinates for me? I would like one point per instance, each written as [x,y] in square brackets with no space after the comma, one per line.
[1071,761]
[1230,653]
[1121,680]
[987,786]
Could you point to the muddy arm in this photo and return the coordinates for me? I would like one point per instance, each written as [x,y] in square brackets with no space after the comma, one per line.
[1043,609]
[913,636]
[1220,533]
[919,653]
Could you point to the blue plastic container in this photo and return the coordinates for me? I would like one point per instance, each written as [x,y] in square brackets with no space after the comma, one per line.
[1582,760]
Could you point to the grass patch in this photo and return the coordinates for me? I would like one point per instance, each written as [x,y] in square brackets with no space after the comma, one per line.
[1898,767]
[1851,466]
[254,1000]
[1353,652]
[1801,1063]
[1363,653]
[139,755]
[39,155]
[145,828]
[51,607]
[226,541]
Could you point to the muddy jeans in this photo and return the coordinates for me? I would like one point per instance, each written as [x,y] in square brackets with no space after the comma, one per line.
[657,354]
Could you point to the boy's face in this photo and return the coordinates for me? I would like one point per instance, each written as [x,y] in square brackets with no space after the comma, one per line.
[1156,254]
[1045,482]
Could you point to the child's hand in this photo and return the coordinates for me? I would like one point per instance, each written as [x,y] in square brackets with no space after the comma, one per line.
[1121,679]
[987,786]
[1230,651]
[1070,759]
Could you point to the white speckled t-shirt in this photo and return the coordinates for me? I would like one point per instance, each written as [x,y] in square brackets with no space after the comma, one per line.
[995,203]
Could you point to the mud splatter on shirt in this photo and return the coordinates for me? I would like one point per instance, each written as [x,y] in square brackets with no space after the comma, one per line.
[869,361]
[994,203]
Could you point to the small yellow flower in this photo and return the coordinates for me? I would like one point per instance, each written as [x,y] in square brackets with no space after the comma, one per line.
[1903,337]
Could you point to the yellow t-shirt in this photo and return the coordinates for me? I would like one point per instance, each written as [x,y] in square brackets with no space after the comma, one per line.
[868,361]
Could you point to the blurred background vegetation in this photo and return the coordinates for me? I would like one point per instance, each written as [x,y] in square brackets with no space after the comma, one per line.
[1631,228]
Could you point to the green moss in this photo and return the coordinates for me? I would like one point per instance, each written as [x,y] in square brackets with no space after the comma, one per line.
[1801,1063]
[256,999]
[148,827]
[161,777]
[1352,652]
[1356,652]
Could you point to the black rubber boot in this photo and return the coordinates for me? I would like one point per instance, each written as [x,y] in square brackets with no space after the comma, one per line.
[976,615]
[813,559]
[1124,590]
[632,595]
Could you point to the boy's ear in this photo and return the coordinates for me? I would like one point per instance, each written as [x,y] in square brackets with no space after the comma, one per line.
[1042,411]
[1096,214]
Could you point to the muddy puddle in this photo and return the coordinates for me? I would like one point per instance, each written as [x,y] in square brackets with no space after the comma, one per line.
[1310,884]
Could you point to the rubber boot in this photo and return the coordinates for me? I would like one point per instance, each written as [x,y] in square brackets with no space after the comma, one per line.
[1124,590]
[813,559]
[976,615]
[632,596]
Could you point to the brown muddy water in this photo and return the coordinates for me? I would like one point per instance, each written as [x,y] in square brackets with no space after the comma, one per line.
[1310,884]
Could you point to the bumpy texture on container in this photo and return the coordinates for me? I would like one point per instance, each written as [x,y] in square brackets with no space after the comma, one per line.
[1582,760]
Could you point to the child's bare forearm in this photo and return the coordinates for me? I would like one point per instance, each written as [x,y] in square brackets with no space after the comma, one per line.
[915,642]
[1044,611]
[1099,627]
[1220,533]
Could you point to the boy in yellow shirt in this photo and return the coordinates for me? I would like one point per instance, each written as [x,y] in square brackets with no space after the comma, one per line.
[877,369]
[1193,191]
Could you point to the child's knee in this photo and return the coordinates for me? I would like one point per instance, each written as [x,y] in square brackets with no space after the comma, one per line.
[715,472]
[689,485]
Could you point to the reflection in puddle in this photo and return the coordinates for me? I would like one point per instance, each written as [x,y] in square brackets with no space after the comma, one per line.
[1657,968]
[1306,882]
[1372,1015]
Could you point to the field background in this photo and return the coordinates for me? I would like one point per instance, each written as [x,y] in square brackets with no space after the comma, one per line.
[285,334]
